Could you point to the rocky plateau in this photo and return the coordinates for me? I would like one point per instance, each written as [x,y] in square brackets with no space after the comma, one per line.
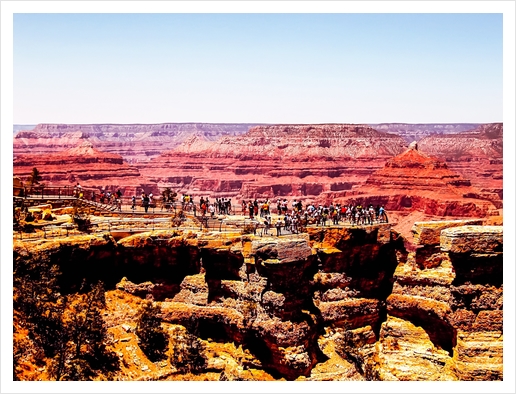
[91,168]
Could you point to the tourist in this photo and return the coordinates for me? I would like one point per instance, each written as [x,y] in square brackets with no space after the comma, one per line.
[255,205]
[133,202]
[250,207]
[146,202]
[266,226]
[278,225]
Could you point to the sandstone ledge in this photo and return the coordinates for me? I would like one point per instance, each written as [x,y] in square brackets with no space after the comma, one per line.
[428,233]
[467,239]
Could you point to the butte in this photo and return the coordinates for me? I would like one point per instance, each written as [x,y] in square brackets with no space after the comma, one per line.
[414,186]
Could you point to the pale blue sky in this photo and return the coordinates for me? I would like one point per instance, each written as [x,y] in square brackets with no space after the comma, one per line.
[272,68]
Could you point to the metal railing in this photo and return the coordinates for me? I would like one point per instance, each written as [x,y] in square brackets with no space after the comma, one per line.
[135,225]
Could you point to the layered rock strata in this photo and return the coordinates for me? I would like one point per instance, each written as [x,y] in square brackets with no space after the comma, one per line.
[134,142]
[414,180]
[349,303]
[476,154]
[416,131]
[282,160]
[453,290]
[82,164]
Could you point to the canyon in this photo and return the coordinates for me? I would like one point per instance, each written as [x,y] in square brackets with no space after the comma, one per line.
[418,298]
[275,161]
[320,163]
[134,142]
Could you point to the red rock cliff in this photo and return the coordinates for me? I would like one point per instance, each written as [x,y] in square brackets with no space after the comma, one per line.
[281,160]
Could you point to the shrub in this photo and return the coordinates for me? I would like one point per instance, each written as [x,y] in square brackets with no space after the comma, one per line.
[153,339]
[187,353]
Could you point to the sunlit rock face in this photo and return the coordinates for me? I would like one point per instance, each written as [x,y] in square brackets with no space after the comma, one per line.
[452,288]
[329,304]
[416,181]
[302,161]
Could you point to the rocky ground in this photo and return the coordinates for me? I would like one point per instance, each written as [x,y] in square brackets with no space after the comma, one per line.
[329,304]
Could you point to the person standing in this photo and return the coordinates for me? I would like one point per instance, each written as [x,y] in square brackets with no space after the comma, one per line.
[279,224]
[146,202]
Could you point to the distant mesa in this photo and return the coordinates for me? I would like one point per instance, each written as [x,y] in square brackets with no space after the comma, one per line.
[485,141]
[299,142]
[134,142]
[276,161]
[414,180]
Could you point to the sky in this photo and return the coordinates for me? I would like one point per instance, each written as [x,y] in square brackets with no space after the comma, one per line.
[257,68]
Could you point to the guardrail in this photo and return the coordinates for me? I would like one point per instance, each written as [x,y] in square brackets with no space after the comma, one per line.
[135,225]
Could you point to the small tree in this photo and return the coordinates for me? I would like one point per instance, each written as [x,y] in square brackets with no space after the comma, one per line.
[82,352]
[187,353]
[34,177]
[153,339]
[168,195]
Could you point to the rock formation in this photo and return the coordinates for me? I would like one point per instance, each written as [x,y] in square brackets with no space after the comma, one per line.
[331,304]
[417,131]
[313,163]
[134,142]
[415,181]
[452,287]
[82,164]
[281,160]
[476,154]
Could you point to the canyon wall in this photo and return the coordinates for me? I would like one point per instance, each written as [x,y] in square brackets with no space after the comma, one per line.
[477,155]
[83,164]
[416,181]
[331,304]
[416,131]
[270,161]
[313,163]
[134,142]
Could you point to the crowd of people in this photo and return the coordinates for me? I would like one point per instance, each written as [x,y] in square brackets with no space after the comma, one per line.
[291,216]
[319,214]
